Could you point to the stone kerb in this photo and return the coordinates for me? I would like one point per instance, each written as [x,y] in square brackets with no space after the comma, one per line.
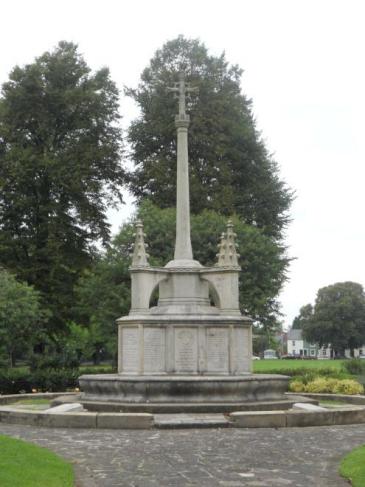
[296,418]
[354,414]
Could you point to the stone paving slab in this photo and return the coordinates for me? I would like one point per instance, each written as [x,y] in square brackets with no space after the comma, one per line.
[191,420]
[297,457]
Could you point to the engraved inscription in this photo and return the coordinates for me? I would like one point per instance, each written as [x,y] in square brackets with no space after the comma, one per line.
[217,350]
[130,353]
[242,350]
[186,350]
[154,350]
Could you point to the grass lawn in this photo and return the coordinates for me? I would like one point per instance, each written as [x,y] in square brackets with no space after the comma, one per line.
[327,403]
[35,404]
[25,465]
[264,365]
[353,467]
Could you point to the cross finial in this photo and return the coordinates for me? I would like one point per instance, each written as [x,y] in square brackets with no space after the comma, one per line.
[181,89]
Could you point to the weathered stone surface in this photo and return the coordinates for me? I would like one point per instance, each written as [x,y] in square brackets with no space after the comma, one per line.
[349,416]
[65,408]
[294,457]
[259,419]
[304,406]
[309,418]
[124,421]
[182,389]
[60,420]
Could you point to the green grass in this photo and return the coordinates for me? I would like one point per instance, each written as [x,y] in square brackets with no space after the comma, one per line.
[269,365]
[353,467]
[327,403]
[25,465]
[35,403]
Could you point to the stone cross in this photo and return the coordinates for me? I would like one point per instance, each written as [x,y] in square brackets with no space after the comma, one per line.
[183,250]
[181,89]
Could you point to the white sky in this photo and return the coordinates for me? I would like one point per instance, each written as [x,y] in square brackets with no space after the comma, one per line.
[304,70]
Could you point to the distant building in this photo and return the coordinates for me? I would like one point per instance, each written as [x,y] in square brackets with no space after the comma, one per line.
[270,354]
[298,347]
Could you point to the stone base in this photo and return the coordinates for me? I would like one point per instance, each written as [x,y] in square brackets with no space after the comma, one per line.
[114,392]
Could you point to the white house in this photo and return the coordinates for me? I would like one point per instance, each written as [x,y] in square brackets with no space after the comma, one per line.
[298,347]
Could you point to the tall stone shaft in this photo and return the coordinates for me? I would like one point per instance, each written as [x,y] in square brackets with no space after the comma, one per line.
[183,249]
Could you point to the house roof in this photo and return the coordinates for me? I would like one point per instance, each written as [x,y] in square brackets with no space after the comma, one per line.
[295,334]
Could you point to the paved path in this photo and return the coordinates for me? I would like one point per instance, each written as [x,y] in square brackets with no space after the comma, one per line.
[205,458]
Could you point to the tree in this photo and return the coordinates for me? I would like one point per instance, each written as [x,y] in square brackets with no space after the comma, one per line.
[231,170]
[60,148]
[338,318]
[305,314]
[20,316]
[104,293]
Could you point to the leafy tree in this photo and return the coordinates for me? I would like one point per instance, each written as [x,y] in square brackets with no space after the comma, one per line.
[20,316]
[231,170]
[59,168]
[65,351]
[305,314]
[338,318]
[103,294]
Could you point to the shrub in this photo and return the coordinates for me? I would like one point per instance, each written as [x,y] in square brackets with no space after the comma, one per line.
[348,386]
[16,381]
[328,385]
[320,384]
[354,366]
[296,386]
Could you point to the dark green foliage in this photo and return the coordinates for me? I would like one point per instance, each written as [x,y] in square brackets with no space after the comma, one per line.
[104,293]
[338,318]
[21,318]
[231,170]
[59,168]
[305,314]
[13,381]
[18,381]
[354,366]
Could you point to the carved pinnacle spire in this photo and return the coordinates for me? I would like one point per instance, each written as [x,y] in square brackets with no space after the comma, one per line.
[139,256]
[228,256]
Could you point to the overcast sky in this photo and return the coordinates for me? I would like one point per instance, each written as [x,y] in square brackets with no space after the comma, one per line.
[303,64]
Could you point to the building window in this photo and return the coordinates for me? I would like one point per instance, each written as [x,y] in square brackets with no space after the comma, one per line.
[324,352]
[293,343]
[312,352]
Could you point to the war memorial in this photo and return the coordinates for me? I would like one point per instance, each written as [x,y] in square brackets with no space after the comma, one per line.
[191,352]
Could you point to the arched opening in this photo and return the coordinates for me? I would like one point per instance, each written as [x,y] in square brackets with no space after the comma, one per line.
[214,296]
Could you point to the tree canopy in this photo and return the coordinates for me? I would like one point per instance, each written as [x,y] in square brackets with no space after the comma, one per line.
[60,148]
[338,318]
[305,314]
[231,171]
[20,315]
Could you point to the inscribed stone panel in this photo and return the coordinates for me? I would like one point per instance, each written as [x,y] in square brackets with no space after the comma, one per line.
[217,349]
[154,350]
[186,349]
[130,350]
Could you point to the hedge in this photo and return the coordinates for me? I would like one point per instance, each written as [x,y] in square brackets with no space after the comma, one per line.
[14,381]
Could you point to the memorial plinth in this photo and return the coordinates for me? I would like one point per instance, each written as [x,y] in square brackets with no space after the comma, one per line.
[194,347]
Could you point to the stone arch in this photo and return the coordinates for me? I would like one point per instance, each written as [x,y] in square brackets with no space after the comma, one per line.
[214,295]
